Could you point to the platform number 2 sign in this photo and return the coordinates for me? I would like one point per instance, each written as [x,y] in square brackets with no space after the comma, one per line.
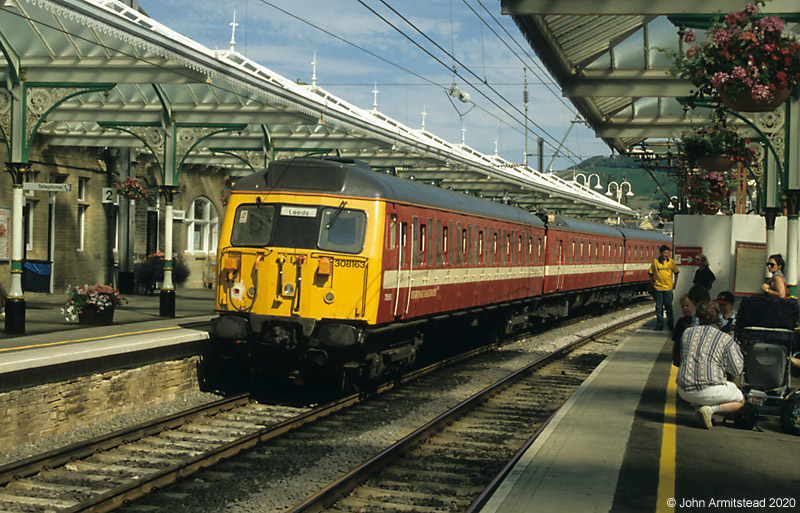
[110,195]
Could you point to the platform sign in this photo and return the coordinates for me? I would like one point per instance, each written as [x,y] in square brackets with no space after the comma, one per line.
[110,195]
[5,233]
[685,255]
[749,271]
[49,187]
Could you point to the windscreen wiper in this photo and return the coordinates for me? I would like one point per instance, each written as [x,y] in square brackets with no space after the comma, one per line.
[335,215]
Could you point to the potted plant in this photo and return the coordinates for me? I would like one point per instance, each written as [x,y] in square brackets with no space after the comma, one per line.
[92,304]
[131,188]
[151,271]
[716,147]
[745,61]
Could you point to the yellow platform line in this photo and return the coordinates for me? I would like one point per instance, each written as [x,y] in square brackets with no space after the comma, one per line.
[87,339]
[666,471]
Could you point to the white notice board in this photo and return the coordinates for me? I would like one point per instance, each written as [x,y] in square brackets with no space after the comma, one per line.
[749,269]
[5,233]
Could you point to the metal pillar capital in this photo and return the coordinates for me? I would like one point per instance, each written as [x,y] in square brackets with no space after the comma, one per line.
[169,192]
[792,201]
[18,171]
[770,215]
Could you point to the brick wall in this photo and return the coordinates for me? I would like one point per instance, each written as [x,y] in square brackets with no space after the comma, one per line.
[29,414]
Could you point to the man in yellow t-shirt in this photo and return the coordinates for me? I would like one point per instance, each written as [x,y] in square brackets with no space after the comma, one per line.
[661,279]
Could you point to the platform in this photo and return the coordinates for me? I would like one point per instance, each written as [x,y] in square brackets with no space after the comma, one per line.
[56,348]
[623,443]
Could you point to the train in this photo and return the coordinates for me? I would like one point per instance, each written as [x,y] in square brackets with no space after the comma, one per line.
[327,267]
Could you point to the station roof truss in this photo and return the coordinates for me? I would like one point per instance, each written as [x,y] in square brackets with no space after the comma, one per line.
[611,60]
[161,76]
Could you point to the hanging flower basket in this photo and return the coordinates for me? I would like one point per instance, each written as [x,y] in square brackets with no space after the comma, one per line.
[716,147]
[706,192]
[131,189]
[745,61]
[745,103]
[716,163]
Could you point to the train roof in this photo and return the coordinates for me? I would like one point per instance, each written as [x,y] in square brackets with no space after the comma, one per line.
[578,225]
[635,233]
[353,178]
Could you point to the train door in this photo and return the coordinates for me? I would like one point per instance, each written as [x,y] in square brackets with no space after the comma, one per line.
[399,240]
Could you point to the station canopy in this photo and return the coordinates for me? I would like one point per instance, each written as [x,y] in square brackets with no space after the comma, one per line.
[158,77]
[611,58]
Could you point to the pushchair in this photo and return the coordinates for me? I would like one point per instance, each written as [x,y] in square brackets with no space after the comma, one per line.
[767,331]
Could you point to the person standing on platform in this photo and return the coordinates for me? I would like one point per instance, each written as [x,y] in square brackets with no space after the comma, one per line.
[703,277]
[708,357]
[776,286]
[663,278]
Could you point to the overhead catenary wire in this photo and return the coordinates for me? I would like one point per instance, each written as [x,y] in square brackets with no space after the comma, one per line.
[455,59]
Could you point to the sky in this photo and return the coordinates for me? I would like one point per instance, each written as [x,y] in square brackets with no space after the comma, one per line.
[363,45]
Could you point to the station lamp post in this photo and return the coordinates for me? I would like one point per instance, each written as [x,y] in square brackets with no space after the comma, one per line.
[619,188]
[587,182]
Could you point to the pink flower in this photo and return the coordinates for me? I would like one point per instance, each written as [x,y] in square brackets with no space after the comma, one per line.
[739,73]
[772,24]
[733,18]
[690,36]
[760,92]
[751,9]
[719,78]
[721,36]
[692,51]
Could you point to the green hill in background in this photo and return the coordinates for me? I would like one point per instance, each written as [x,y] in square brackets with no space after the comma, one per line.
[646,195]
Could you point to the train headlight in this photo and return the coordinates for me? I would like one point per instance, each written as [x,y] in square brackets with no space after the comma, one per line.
[329,297]
[288,289]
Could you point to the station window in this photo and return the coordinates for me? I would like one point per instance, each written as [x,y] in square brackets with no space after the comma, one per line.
[83,184]
[81,228]
[202,226]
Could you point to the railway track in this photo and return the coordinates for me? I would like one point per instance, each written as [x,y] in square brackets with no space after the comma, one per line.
[104,473]
[456,460]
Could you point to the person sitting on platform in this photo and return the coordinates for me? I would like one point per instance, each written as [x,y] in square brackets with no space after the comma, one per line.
[708,356]
[727,317]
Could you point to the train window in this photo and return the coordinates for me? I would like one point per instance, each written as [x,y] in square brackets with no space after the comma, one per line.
[252,225]
[438,242]
[403,243]
[494,255]
[520,256]
[392,242]
[342,229]
[445,246]
[423,236]
[480,247]
[573,251]
[415,241]
[430,242]
[460,250]
[464,244]
[530,250]
[452,244]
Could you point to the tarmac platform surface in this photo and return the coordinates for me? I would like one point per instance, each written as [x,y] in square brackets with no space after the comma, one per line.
[625,443]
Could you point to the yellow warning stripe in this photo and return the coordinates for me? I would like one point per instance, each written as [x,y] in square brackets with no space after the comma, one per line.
[87,339]
[666,471]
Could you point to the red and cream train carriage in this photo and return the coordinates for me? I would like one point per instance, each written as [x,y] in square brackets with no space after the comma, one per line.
[327,265]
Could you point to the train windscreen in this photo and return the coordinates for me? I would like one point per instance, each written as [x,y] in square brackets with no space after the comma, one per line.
[299,226]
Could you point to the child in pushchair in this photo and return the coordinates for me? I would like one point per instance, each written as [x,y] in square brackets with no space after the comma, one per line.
[767,332]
